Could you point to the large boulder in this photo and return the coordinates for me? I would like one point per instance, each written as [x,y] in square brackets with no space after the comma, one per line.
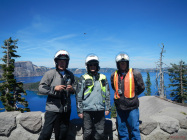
[157,136]
[20,134]
[179,113]
[151,105]
[7,122]
[31,121]
[166,123]
[148,126]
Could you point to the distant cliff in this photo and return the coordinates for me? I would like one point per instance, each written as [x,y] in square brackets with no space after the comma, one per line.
[102,70]
[110,70]
[28,69]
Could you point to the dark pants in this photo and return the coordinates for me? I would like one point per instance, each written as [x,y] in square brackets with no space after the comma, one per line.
[57,121]
[96,119]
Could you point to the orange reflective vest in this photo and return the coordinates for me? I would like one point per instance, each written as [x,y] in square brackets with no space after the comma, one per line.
[129,85]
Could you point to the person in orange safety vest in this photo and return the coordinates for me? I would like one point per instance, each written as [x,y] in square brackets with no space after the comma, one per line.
[127,84]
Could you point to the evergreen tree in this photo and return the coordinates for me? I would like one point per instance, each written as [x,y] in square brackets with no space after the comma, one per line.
[148,85]
[113,111]
[178,79]
[11,91]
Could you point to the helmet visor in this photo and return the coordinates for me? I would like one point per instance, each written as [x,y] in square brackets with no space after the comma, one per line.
[122,57]
[62,57]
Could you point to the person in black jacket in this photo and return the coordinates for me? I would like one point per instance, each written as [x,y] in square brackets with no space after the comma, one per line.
[57,84]
[127,84]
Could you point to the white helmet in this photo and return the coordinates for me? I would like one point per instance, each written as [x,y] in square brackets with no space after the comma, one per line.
[92,58]
[62,55]
[122,56]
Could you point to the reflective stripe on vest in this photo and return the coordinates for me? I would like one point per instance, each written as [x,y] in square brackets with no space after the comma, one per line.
[129,85]
[116,94]
[101,77]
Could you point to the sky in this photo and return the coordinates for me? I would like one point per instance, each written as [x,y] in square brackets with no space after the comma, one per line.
[102,27]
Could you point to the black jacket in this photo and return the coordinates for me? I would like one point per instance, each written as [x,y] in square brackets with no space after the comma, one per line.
[124,103]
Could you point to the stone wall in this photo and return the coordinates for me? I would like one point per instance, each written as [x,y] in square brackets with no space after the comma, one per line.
[159,119]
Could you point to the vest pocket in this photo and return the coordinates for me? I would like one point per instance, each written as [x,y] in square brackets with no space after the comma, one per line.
[88,82]
[103,82]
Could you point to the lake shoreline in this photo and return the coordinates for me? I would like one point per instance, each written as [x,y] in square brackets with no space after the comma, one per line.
[37,101]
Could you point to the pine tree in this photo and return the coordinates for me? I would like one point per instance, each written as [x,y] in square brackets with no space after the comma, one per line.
[11,91]
[113,111]
[178,79]
[148,85]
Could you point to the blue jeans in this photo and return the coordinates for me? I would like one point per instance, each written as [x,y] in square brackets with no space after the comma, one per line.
[128,124]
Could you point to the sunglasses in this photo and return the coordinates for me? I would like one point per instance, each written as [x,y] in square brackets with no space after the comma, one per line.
[93,64]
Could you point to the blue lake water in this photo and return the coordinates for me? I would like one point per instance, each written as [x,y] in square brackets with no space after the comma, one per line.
[37,102]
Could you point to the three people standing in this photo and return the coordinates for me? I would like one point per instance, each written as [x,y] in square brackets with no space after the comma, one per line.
[92,97]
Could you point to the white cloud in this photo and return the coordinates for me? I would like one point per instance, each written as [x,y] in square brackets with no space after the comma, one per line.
[60,38]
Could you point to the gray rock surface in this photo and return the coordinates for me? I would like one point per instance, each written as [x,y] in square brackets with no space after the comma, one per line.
[148,126]
[31,121]
[150,105]
[178,113]
[157,136]
[159,120]
[181,135]
[7,122]
[167,124]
